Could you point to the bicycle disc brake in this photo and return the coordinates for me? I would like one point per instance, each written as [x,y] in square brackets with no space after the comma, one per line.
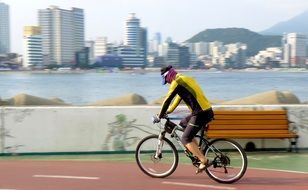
[156,160]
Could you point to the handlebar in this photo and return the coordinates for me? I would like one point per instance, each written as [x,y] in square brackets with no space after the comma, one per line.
[155,118]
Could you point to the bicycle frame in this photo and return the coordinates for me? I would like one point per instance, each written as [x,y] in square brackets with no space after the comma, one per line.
[174,135]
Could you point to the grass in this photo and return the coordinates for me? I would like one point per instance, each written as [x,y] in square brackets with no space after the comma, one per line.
[279,160]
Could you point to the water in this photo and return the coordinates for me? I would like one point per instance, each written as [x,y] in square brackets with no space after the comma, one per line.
[86,88]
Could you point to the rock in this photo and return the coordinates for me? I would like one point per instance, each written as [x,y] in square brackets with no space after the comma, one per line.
[130,99]
[158,101]
[3,102]
[161,100]
[29,100]
[269,97]
[57,100]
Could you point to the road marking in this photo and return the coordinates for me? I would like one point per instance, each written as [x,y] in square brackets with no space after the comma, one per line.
[275,170]
[7,189]
[66,177]
[199,185]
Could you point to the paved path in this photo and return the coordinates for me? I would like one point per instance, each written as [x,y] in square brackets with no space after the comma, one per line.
[95,175]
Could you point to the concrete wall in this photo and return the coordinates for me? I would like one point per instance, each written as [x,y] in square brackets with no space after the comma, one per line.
[94,129]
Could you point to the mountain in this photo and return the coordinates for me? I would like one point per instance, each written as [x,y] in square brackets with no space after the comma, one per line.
[296,24]
[255,42]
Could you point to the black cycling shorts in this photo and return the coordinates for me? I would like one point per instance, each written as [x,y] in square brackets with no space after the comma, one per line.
[193,123]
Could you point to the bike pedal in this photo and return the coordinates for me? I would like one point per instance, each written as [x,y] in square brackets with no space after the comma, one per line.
[199,171]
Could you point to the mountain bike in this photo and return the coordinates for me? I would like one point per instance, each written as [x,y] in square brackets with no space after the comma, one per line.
[158,157]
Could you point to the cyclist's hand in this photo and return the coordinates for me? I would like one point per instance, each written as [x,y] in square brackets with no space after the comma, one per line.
[166,115]
[155,119]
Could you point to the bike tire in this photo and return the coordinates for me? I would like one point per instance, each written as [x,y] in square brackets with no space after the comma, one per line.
[157,168]
[230,161]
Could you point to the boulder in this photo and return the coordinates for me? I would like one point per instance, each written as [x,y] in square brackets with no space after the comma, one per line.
[161,100]
[158,101]
[3,102]
[57,100]
[126,100]
[29,100]
[269,97]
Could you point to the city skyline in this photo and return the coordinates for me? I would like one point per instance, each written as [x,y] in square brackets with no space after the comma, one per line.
[187,18]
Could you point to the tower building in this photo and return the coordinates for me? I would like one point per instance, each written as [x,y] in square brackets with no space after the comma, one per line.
[4,29]
[62,34]
[132,31]
[295,51]
[134,49]
[32,47]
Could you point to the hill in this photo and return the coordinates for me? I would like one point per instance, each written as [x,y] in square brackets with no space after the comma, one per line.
[296,24]
[255,42]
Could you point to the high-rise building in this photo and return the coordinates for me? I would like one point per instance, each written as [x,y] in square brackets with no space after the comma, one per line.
[201,48]
[4,28]
[235,54]
[90,44]
[32,49]
[100,46]
[132,57]
[32,30]
[143,43]
[134,50]
[132,31]
[184,57]
[62,33]
[157,40]
[154,44]
[175,54]
[295,51]
[214,48]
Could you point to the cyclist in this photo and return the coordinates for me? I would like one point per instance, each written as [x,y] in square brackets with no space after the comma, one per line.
[187,89]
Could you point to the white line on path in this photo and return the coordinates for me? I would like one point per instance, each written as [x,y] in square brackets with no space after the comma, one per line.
[7,189]
[288,171]
[199,185]
[65,177]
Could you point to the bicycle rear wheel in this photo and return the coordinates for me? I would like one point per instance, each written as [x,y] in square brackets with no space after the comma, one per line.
[229,160]
[162,166]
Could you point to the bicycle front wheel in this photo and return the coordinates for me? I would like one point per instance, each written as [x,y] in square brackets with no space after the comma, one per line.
[229,160]
[161,166]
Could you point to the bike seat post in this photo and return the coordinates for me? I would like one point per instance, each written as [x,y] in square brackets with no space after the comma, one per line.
[202,130]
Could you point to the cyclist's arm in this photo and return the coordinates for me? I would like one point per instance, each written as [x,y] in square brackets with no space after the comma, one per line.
[170,95]
[174,104]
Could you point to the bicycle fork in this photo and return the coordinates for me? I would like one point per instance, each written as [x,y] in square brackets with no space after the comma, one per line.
[159,147]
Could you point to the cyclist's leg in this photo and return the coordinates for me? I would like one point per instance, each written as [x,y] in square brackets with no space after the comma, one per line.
[188,139]
[192,124]
[195,124]
[185,120]
[184,123]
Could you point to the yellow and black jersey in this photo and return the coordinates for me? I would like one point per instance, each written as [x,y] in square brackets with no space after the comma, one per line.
[187,89]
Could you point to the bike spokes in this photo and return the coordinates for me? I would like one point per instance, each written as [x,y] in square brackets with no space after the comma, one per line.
[229,161]
[156,159]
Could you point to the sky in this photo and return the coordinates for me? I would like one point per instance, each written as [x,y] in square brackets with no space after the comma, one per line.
[178,19]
